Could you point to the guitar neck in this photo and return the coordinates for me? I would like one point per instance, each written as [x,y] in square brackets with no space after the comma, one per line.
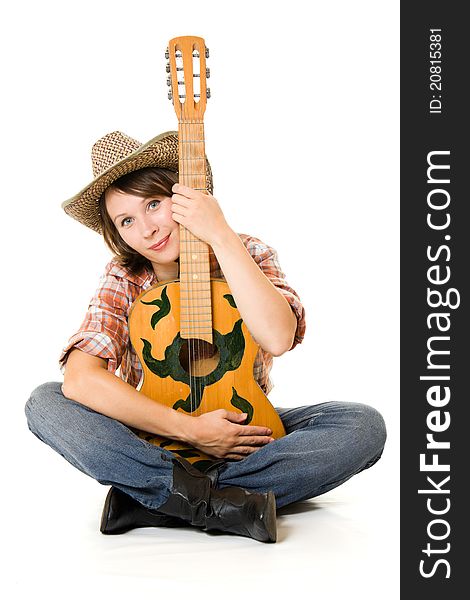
[195,291]
[192,155]
[187,80]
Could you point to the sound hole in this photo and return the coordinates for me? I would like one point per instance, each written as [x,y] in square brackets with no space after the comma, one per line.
[198,357]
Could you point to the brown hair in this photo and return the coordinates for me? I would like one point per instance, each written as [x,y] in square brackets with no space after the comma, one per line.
[147,182]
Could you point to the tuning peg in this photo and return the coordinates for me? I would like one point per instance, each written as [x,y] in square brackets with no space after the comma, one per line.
[208,92]
[207,52]
[168,81]
[170,95]
[208,72]
[167,67]
[167,54]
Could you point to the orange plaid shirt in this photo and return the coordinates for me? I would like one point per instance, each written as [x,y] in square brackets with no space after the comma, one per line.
[104,331]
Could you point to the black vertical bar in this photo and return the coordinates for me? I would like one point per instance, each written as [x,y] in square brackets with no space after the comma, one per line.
[434,260]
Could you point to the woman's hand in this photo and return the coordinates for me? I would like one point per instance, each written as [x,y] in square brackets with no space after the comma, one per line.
[200,213]
[219,433]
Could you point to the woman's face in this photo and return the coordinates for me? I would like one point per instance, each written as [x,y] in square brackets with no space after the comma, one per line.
[147,226]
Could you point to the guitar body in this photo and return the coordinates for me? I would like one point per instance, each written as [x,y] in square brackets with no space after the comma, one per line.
[192,375]
[196,353]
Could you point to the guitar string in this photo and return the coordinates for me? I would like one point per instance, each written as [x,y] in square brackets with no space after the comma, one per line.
[184,237]
[194,295]
[197,287]
[187,163]
[189,274]
[200,344]
[190,156]
[197,355]
[193,340]
[202,183]
[198,136]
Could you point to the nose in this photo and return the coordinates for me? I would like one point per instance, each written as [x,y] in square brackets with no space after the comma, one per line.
[149,228]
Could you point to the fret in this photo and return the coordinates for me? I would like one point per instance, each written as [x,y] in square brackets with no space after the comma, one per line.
[194,306]
[200,294]
[194,252]
[196,335]
[196,322]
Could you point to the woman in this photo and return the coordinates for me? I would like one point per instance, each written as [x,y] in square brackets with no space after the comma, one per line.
[92,419]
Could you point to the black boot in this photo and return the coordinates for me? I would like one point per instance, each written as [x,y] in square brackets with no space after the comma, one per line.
[231,509]
[122,513]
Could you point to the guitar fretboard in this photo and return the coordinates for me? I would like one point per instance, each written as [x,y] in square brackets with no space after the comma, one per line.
[195,288]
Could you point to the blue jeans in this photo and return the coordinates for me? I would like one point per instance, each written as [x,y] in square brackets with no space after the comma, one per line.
[325,445]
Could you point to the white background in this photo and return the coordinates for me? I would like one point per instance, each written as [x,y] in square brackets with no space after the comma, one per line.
[302,135]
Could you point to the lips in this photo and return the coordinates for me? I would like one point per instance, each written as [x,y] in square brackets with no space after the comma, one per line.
[160,244]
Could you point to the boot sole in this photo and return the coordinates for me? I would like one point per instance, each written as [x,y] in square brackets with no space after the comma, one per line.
[121,514]
[269,519]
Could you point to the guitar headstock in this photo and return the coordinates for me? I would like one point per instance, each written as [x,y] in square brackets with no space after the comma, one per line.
[188,76]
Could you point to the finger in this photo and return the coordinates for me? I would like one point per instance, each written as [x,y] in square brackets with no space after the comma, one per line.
[181,200]
[234,416]
[256,441]
[254,430]
[179,219]
[183,190]
[234,456]
[178,208]
[244,450]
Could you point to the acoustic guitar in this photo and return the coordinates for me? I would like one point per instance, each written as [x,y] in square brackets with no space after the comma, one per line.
[196,353]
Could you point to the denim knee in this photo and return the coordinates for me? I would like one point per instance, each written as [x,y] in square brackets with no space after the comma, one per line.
[371,427]
[40,403]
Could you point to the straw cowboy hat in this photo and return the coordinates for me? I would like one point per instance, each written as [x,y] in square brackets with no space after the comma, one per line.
[117,154]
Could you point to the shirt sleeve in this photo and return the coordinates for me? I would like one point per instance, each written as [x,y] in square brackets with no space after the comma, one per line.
[104,331]
[268,261]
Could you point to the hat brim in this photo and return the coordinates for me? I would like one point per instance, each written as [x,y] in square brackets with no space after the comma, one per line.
[161,151]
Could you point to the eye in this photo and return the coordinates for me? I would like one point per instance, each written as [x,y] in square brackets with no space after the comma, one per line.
[126,222]
[153,204]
